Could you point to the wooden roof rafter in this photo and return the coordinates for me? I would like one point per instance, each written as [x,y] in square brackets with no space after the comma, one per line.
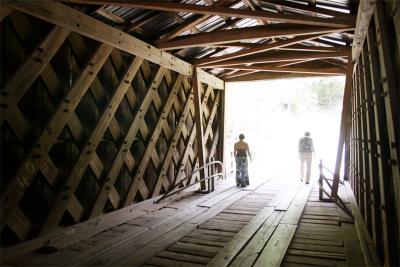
[302,70]
[222,11]
[241,34]
[208,31]
[277,57]
[193,21]
[311,9]
[260,48]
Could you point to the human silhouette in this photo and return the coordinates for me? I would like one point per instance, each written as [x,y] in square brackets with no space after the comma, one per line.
[306,150]
[241,151]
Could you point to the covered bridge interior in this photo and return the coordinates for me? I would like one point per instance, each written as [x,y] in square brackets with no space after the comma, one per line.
[108,105]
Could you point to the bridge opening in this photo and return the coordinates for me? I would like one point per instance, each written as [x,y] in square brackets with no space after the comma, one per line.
[274,114]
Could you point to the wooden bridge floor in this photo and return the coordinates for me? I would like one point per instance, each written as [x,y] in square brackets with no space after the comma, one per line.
[270,224]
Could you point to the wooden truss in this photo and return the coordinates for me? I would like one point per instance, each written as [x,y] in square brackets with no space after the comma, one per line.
[119,125]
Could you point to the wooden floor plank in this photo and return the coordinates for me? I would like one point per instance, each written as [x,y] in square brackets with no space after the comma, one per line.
[352,246]
[310,261]
[213,232]
[217,199]
[319,232]
[317,254]
[216,238]
[168,263]
[227,216]
[194,249]
[138,242]
[250,253]
[238,228]
[240,212]
[276,247]
[336,243]
[158,243]
[291,264]
[218,227]
[216,220]
[316,221]
[365,240]
[226,254]
[313,236]
[295,210]
[183,257]
[201,241]
[317,247]
[288,197]
[319,217]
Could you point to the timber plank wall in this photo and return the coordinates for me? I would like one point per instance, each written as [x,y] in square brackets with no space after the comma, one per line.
[88,125]
[373,147]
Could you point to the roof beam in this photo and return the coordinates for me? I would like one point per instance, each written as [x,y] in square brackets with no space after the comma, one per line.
[76,21]
[4,12]
[264,75]
[192,22]
[237,73]
[365,11]
[258,49]
[309,70]
[241,34]
[189,24]
[109,15]
[312,9]
[312,48]
[221,11]
[277,57]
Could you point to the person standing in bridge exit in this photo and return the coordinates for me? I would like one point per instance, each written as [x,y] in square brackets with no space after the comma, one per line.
[241,150]
[306,150]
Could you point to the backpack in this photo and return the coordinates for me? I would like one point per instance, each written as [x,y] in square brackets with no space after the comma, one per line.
[305,145]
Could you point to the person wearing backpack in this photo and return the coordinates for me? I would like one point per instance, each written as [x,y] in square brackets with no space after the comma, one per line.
[306,150]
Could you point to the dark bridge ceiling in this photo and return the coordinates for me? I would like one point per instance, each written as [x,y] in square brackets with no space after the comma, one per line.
[240,39]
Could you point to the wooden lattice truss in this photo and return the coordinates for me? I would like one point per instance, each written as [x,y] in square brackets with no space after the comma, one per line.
[93,120]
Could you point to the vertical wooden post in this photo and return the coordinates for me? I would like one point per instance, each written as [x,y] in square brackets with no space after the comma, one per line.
[198,115]
[364,145]
[390,96]
[347,142]
[370,149]
[354,139]
[379,157]
[360,155]
[343,125]
[222,113]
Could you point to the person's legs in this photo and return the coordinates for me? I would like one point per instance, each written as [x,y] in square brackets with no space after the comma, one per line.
[245,177]
[308,173]
[238,172]
[241,171]
[302,167]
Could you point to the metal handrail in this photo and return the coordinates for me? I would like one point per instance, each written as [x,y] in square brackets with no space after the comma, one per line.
[173,190]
